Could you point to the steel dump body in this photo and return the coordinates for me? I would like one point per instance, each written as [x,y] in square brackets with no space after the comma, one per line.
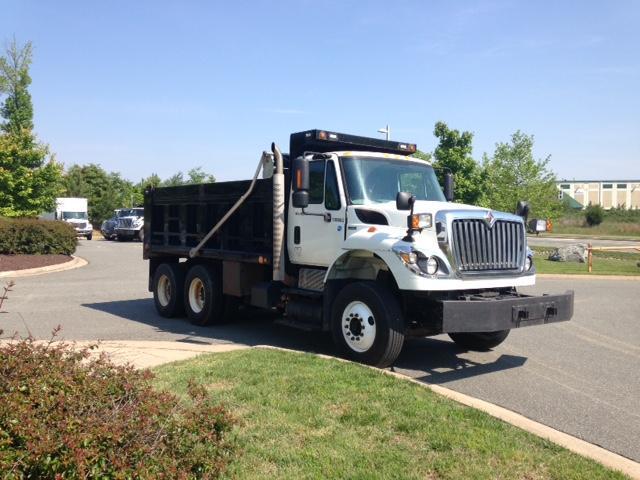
[178,218]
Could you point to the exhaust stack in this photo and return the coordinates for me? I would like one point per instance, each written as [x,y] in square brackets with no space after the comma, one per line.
[278,215]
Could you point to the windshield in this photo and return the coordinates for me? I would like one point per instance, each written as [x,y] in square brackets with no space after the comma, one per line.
[74,215]
[378,180]
[131,212]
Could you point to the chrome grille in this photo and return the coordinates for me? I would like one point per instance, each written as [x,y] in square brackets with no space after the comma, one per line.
[125,223]
[476,247]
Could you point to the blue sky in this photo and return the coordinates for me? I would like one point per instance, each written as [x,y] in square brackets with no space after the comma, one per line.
[143,87]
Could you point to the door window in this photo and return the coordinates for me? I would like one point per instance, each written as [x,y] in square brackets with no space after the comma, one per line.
[316,181]
[331,192]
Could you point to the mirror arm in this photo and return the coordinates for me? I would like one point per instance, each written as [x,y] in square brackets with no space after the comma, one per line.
[409,236]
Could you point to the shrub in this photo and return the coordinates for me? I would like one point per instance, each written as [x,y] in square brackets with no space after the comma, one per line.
[67,414]
[32,236]
[594,214]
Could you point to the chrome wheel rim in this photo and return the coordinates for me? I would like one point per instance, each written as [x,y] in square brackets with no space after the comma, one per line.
[164,290]
[196,295]
[358,326]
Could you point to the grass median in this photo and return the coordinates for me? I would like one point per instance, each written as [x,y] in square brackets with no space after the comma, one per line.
[301,416]
[604,263]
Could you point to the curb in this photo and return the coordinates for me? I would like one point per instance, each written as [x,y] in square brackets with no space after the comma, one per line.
[580,276]
[75,262]
[574,444]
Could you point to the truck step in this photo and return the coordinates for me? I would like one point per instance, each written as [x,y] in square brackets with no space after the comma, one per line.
[307,327]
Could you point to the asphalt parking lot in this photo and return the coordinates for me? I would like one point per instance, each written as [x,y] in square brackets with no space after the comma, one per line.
[581,377]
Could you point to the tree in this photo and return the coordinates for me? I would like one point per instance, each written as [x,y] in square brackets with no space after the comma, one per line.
[29,182]
[14,82]
[196,175]
[29,175]
[105,191]
[453,153]
[515,175]
[426,156]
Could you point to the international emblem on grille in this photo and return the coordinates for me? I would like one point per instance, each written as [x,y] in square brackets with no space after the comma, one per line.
[490,219]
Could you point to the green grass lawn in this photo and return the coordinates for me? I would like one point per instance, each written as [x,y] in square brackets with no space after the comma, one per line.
[604,263]
[301,416]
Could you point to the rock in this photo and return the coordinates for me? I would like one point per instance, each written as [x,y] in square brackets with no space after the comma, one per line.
[571,253]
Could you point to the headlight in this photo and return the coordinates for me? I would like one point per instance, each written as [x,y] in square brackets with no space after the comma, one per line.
[528,263]
[421,220]
[416,261]
[138,223]
[431,265]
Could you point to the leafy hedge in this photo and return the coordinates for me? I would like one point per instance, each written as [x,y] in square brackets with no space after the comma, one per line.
[32,236]
[67,414]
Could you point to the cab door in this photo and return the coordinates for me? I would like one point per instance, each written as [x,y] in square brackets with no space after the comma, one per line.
[315,235]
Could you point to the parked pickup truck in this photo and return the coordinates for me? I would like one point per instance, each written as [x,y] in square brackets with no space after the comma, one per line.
[129,224]
[349,235]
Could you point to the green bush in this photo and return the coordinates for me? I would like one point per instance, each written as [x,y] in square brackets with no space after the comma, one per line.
[67,414]
[32,236]
[593,214]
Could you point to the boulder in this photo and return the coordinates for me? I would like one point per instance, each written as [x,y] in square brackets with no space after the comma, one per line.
[571,253]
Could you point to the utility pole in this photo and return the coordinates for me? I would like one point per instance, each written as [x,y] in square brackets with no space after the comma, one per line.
[386,131]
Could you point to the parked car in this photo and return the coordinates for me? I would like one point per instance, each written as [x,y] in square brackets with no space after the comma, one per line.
[130,223]
[108,227]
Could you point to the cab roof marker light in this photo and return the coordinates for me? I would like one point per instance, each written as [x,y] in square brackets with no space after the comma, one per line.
[333,136]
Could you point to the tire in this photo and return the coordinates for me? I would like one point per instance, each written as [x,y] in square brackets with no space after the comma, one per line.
[90,236]
[479,341]
[204,302]
[357,340]
[168,283]
[141,235]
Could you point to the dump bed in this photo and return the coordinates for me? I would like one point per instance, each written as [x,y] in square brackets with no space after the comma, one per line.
[177,219]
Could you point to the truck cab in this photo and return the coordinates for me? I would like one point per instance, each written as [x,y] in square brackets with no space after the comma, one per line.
[74,211]
[349,235]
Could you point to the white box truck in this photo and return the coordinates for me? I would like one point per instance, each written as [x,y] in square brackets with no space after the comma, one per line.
[74,211]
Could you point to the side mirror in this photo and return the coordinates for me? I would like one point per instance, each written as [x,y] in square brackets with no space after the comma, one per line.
[448,186]
[404,201]
[522,210]
[300,181]
[300,199]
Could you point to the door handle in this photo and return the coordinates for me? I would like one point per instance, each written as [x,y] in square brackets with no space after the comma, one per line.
[327,217]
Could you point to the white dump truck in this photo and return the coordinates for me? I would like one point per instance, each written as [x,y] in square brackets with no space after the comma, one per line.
[349,235]
[74,211]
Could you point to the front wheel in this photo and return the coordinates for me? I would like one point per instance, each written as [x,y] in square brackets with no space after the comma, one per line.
[480,341]
[367,324]
[90,236]
[141,235]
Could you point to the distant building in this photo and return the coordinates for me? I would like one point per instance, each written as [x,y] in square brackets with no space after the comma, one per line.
[607,193]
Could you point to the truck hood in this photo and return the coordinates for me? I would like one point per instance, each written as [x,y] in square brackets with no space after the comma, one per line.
[398,218]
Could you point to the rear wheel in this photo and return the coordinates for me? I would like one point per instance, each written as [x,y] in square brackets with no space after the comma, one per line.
[203,298]
[168,281]
[367,324]
[480,341]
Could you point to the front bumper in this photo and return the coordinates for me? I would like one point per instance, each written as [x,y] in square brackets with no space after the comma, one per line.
[127,232]
[490,314]
[83,232]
